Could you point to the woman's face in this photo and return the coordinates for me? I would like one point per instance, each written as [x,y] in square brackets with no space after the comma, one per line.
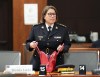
[50,17]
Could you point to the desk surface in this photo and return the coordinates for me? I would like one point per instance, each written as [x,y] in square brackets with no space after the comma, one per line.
[25,75]
[88,74]
[58,76]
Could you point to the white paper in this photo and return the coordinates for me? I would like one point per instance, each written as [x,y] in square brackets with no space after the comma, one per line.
[30,14]
[19,69]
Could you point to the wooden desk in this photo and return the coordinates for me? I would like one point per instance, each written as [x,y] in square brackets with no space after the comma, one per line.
[83,49]
[21,75]
[78,76]
[81,45]
[59,76]
[88,74]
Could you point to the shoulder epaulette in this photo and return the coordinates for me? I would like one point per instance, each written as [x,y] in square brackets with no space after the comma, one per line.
[62,25]
[37,24]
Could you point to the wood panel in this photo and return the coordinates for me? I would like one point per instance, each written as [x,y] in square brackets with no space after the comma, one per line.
[81,45]
[21,31]
[83,49]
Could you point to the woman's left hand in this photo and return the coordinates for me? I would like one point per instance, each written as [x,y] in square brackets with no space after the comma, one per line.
[60,47]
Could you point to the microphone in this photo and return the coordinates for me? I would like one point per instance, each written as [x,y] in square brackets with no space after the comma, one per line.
[97,71]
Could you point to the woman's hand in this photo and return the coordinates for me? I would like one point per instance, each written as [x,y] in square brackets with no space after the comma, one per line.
[33,44]
[60,47]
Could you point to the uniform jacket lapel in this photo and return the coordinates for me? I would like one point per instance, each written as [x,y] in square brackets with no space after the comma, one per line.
[54,30]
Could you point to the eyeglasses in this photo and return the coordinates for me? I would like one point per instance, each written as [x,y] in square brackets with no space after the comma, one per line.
[51,14]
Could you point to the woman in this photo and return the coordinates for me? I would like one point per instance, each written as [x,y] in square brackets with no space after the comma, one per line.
[55,40]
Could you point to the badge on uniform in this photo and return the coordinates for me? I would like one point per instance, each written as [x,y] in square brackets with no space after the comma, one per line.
[56,27]
[40,37]
[57,37]
[82,69]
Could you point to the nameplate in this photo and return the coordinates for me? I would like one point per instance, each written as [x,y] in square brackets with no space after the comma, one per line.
[19,69]
[82,69]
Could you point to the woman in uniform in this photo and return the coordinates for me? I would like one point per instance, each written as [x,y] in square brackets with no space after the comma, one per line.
[48,36]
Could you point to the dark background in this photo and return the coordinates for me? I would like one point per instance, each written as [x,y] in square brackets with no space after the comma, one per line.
[81,16]
[6,25]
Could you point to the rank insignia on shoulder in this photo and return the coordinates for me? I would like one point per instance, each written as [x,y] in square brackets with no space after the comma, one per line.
[62,25]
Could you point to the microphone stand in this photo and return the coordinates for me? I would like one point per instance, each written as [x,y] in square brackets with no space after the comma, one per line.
[98,64]
[97,71]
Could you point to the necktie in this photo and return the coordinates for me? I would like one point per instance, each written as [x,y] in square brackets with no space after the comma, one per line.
[49,28]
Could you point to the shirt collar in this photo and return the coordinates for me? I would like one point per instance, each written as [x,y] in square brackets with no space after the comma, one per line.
[48,26]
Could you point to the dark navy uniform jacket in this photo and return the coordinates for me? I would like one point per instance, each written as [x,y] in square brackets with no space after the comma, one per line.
[58,35]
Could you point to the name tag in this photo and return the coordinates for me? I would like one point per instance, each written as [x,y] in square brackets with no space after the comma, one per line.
[82,69]
[57,37]
[42,71]
[19,69]
[40,37]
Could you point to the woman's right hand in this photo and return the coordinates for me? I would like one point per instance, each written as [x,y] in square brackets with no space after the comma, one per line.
[33,44]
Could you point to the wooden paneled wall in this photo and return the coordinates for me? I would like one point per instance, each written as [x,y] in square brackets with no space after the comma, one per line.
[21,31]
